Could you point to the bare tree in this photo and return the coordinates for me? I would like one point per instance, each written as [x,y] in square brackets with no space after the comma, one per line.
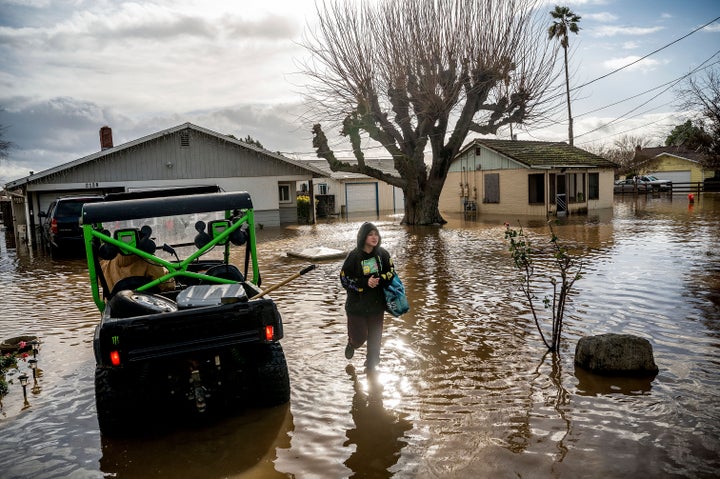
[702,94]
[625,149]
[622,152]
[5,145]
[411,76]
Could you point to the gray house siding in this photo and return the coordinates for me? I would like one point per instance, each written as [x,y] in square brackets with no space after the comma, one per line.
[186,155]
[288,214]
[165,159]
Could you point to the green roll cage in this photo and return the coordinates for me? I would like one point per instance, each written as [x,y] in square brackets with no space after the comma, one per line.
[238,210]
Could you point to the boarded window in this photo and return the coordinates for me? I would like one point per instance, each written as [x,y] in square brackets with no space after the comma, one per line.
[536,188]
[593,186]
[492,188]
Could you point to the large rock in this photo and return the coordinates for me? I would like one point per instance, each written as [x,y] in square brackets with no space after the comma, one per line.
[616,354]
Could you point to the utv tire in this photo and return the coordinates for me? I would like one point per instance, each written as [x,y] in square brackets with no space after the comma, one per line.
[114,409]
[127,304]
[273,379]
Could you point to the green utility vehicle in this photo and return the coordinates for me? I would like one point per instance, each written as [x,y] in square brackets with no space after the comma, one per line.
[200,337]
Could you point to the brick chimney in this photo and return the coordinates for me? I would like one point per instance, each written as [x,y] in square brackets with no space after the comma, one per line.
[106,140]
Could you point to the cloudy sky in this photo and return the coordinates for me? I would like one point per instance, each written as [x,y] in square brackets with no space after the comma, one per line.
[69,67]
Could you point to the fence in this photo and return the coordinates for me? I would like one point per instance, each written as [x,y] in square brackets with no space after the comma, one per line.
[689,187]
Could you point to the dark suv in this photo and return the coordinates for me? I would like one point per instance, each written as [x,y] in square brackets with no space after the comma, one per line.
[61,233]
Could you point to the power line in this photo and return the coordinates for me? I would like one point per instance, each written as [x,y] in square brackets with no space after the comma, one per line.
[654,88]
[646,56]
[672,84]
[628,130]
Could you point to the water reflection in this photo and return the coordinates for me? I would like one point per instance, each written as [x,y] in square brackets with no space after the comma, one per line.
[464,389]
[590,384]
[378,433]
[217,450]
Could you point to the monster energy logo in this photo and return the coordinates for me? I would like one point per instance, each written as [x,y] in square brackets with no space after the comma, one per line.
[116,340]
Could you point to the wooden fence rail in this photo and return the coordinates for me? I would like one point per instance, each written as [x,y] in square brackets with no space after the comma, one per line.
[689,187]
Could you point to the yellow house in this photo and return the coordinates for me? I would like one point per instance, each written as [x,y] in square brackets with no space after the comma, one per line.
[534,178]
[677,164]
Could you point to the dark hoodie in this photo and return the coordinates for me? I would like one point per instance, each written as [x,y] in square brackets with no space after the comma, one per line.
[358,267]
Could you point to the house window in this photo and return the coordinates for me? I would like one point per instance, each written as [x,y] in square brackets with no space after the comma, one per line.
[492,188]
[284,193]
[322,188]
[478,150]
[536,188]
[593,186]
[184,138]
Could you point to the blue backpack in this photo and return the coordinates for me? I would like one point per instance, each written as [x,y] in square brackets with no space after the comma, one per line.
[396,302]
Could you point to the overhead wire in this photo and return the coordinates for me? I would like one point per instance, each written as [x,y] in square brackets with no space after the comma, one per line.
[651,89]
[621,117]
[672,84]
[646,56]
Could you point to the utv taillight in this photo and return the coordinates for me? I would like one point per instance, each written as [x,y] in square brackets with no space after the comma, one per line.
[115,358]
[269,333]
[53,226]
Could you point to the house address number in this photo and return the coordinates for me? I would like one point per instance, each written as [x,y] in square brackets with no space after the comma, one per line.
[92,185]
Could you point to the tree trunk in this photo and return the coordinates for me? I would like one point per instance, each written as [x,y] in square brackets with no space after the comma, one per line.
[567,91]
[421,207]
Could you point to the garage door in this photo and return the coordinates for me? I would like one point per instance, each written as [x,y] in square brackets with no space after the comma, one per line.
[674,176]
[361,198]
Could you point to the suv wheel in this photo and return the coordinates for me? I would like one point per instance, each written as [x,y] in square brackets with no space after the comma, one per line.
[114,410]
[273,381]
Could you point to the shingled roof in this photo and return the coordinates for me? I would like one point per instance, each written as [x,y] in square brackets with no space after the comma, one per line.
[543,153]
[678,151]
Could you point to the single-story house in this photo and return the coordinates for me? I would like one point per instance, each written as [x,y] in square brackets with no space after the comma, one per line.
[342,193]
[675,163]
[185,155]
[535,178]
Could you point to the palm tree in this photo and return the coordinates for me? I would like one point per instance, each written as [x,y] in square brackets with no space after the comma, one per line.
[565,21]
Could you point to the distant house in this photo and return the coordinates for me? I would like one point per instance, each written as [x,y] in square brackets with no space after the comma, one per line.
[533,178]
[351,194]
[677,164]
[185,155]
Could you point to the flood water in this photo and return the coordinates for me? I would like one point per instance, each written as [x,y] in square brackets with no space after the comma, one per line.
[464,389]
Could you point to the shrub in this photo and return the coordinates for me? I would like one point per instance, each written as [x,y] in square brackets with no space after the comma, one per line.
[303,208]
[568,270]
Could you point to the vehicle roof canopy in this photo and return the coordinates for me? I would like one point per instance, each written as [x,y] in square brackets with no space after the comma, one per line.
[121,210]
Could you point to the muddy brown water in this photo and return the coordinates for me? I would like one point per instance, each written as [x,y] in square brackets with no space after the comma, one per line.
[464,390]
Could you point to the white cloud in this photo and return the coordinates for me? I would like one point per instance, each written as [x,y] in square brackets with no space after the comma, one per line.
[645,65]
[600,16]
[51,132]
[630,45]
[613,30]
[715,27]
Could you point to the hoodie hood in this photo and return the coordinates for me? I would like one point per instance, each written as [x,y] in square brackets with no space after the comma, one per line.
[365,230]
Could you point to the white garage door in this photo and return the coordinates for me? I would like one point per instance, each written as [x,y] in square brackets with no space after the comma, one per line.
[674,176]
[361,198]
